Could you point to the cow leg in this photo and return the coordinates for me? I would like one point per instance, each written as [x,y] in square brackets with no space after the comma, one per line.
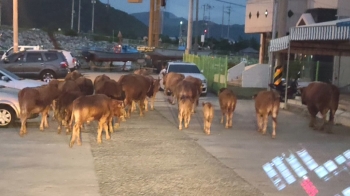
[227,120]
[274,124]
[193,108]
[230,117]
[133,106]
[313,112]
[41,127]
[187,120]
[141,105]
[59,127]
[46,123]
[222,117]
[180,119]
[105,127]
[208,127]
[23,129]
[74,134]
[78,136]
[110,125]
[324,120]
[205,125]
[265,121]
[152,101]
[128,103]
[146,104]
[99,132]
[259,121]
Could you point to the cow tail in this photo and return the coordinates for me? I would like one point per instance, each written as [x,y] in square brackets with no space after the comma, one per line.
[71,119]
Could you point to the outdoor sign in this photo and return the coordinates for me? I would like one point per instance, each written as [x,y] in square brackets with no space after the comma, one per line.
[202,38]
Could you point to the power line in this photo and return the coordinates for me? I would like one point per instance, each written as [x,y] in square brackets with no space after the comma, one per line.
[239,5]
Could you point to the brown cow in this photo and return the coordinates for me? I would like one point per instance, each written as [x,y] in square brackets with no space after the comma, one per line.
[170,81]
[85,85]
[208,113]
[320,97]
[73,75]
[228,102]
[94,107]
[151,94]
[100,78]
[198,83]
[135,88]
[63,108]
[142,71]
[36,100]
[188,89]
[267,103]
[185,105]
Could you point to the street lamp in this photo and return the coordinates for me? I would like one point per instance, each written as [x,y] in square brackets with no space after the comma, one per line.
[180,36]
[93,15]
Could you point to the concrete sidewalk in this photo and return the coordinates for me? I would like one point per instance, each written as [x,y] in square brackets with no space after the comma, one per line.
[150,156]
[42,164]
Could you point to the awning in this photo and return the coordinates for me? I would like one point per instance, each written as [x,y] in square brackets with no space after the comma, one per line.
[279,44]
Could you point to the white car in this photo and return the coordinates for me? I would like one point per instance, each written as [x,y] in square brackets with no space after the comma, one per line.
[72,61]
[11,80]
[187,69]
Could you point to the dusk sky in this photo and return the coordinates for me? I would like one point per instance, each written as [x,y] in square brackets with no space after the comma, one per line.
[180,9]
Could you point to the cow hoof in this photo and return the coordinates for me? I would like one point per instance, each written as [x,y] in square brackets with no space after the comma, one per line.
[273,136]
[226,127]
[108,138]
[71,144]
[67,133]
[116,126]
[180,128]
[259,130]
[21,134]
[264,133]
[59,132]
[79,143]
[152,109]
[99,141]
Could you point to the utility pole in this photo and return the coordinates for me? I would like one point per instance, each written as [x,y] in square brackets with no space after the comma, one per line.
[222,23]
[93,16]
[275,10]
[282,18]
[0,10]
[228,21]
[196,29]
[72,20]
[79,16]
[209,7]
[151,24]
[189,28]
[15,26]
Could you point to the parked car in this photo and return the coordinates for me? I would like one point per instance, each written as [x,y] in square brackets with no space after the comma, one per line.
[72,61]
[11,80]
[20,48]
[187,69]
[9,106]
[38,64]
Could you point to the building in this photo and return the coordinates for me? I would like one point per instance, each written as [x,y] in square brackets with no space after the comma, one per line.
[290,13]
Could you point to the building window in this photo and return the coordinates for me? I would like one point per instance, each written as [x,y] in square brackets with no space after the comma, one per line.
[257,14]
[250,15]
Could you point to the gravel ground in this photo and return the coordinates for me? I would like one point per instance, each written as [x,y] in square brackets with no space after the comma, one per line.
[149,156]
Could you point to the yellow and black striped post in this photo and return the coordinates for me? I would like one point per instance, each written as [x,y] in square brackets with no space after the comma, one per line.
[277,76]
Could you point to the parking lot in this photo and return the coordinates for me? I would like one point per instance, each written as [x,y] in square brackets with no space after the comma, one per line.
[150,156]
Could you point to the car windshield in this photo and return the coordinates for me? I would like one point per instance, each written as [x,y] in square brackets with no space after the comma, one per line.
[12,75]
[183,68]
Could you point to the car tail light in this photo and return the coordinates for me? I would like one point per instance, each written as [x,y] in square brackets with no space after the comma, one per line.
[63,64]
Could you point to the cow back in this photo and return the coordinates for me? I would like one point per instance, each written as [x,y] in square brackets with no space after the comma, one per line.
[90,107]
[100,78]
[227,100]
[86,86]
[172,79]
[73,75]
[197,82]
[266,101]
[135,86]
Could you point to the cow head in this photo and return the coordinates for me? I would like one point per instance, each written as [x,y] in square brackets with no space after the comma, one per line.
[118,107]
[222,89]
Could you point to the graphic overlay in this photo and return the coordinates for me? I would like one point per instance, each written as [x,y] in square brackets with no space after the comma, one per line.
[299,167]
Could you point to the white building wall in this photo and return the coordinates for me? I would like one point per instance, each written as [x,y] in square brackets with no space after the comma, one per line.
[235,72]
[341,71]
[256,76]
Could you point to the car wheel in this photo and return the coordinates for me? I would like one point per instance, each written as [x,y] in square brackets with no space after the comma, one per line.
[47,75]
[7,116]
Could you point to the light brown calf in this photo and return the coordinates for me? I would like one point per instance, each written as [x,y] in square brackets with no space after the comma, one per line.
[94,107]
[208,113]
[228,102]
[267,103]
[185,109]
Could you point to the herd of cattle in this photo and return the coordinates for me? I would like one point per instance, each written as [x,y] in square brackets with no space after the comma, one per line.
[77,99]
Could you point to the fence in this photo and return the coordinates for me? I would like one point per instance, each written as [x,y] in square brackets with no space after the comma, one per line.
[213,68]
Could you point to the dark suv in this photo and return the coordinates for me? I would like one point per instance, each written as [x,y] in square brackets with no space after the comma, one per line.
[43,64]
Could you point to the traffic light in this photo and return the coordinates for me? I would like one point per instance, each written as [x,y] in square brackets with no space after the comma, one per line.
[205,31]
